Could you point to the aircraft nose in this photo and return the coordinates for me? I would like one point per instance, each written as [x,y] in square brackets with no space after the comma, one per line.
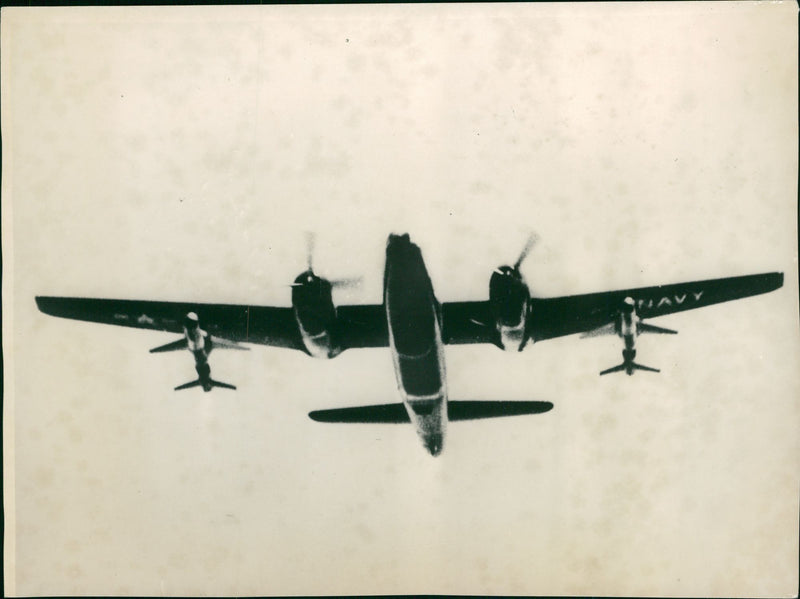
[434,444]
[628,305]
[398,239]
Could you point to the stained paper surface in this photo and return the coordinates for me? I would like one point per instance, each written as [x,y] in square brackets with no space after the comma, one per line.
[182,154]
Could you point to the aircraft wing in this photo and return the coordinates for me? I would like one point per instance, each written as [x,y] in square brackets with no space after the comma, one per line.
[365,325]
[250,324]
[559,316]
[468,322]
[357,326]
[362,326]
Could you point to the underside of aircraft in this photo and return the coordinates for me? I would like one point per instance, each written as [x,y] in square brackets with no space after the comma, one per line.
[415,327]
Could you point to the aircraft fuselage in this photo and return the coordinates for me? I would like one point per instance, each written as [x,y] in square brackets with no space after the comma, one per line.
[199,344]
[413,316]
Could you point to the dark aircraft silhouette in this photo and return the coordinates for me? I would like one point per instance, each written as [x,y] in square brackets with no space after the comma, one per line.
[200,343]
[415,327]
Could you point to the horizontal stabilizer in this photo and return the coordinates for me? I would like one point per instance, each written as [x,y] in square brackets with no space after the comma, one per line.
[199,383]
[475,410]
[456,410]
[188,385]
[651,328]
[619,368]
[178,345]
[629,368]
[223,385]
[394,413]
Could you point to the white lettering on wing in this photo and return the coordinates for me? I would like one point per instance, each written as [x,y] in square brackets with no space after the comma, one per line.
[666,300]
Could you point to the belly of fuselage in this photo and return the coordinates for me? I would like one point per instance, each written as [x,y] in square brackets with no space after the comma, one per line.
[415,340]
[411,311]
[429,417]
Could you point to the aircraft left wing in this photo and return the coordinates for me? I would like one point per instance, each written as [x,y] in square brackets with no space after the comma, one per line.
[357,325]
[250,324]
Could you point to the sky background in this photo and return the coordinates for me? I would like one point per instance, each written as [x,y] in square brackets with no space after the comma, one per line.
[182,153]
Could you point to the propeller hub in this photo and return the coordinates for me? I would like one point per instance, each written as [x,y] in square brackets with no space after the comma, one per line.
[508,271]
[309,278]
[306,277]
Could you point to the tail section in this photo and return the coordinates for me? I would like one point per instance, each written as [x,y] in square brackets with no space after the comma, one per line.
[627,325]
[206,385]
[619,368]
[189,385]
[379,414]
[200,350]
[456,410]
[628,364]
[222,385]
[629,367]
[478,410]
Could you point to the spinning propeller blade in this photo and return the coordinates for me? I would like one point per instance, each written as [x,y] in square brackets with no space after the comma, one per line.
[532,239]
[310,244]
[348,283]
[341,283]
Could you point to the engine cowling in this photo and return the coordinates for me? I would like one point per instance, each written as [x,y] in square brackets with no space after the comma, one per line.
[315,314]
[509,298]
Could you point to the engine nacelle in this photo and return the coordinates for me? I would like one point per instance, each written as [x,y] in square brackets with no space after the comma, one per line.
[315,314]
[509,298]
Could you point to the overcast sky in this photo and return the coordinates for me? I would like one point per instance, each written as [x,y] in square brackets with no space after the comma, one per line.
[181,154]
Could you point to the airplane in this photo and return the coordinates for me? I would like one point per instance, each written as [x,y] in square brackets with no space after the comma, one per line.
[415,327]
[200,344]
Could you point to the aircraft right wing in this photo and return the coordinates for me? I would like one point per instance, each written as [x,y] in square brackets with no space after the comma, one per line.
[559,316]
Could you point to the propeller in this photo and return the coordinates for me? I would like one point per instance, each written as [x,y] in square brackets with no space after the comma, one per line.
[532,239]
[340,283]
[311,242]
[347,283]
